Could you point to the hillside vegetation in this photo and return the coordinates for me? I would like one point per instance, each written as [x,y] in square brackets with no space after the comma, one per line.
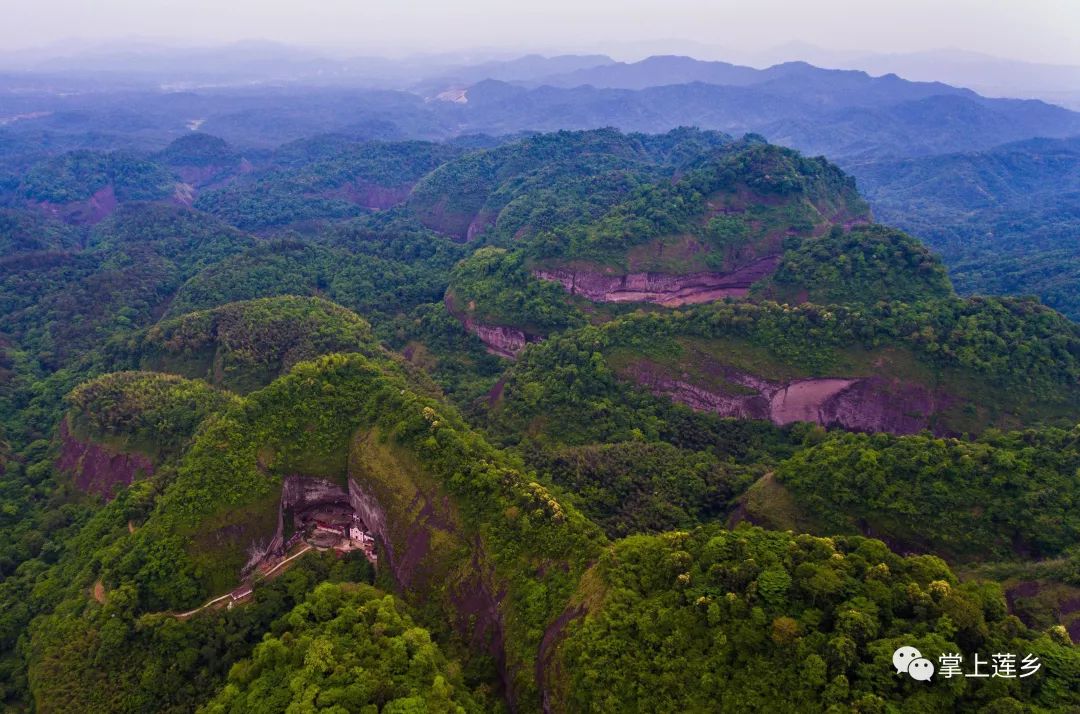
[626,422]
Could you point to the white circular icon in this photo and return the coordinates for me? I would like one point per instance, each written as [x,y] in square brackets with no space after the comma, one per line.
[921,669]
[903,657]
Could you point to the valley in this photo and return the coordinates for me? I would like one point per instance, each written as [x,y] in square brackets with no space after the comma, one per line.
[537,386]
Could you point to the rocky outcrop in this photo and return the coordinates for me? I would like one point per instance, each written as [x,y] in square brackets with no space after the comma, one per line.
[88,212]
[97,469]
[406,547]
[499,340]
[297,494]
[665,289]
[371,195]
[480,223]
[477,602]
[548,667]
[808,400]
[868,404]
[439,216]
[300,492]
[183,194]
[881,404]
[426,548]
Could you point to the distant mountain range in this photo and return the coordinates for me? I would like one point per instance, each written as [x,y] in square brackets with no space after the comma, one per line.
[942,161]
[269,62]
[1006,220]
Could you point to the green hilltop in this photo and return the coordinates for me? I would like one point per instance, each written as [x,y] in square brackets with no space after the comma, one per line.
[630,422]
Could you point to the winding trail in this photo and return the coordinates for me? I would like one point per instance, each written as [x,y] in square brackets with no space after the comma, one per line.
[307,547]
[244,591]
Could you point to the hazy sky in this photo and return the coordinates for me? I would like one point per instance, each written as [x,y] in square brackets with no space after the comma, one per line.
[1040,30]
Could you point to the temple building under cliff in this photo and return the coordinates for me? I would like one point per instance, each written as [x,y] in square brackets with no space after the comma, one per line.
[320,513]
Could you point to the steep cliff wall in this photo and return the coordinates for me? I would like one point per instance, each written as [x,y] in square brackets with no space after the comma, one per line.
[97,469]
[297,494]
[500,340]
[662,288]
[371,195]
[426,548]
[88,212]
[859,404]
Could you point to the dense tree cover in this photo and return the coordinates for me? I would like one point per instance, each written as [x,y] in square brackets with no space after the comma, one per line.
[328,188]
[1050,275]
[1000,497]
[865,265]
[148,411]
[78,175]
[107,657]
[551,178]
[1014,356]
[734,203]
[346,649]
[753,620]
[60,305]
[757,191]
[562,391]
[513,535]
[1004,219]
[640,487]
[245,345]
[26,232]
[373,267]
[227,484]
[198,149]
[540,186]
[269,204]
[57,308]
[493,287]
[432,339]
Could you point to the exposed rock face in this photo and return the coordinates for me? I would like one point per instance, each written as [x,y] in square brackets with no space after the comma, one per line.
[413,539]
[440,217]
[370,195]
[369,510]
[661,288]
[868,404]
[300,492]
[183,194]
[546,662]
[96,469]
[297,494]
[880,404]
[807,400]
[419,533]
[88,212]
[500,340]
[480,223]
[478,615]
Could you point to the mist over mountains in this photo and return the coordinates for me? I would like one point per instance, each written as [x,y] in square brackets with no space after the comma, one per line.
[487,382]
[883,129]
[844,114]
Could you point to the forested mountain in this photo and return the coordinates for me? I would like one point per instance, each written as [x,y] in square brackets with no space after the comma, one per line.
[939,161]
[571,421]
[1006,220]
[843,114]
